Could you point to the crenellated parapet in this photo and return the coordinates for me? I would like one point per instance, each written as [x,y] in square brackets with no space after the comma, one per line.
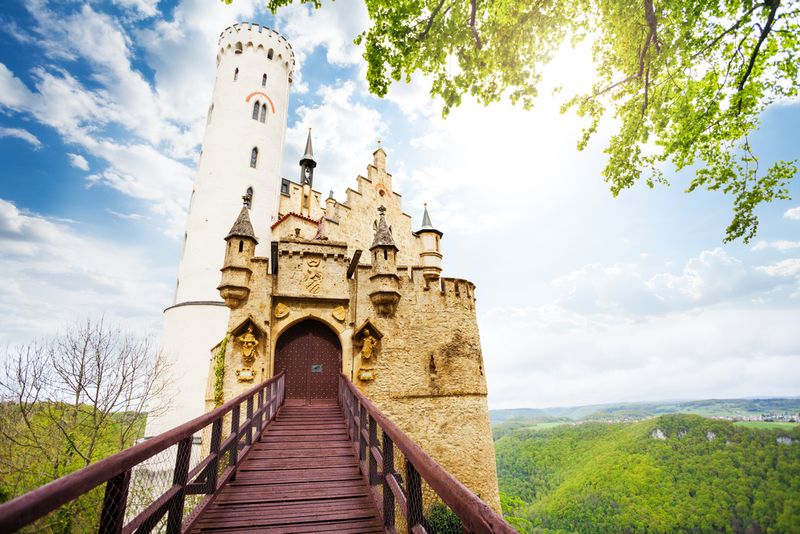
[247,38]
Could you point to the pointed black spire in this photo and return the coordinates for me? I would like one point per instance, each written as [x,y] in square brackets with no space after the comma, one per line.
[308,163]
[383,236]
[309,154]
[242,227]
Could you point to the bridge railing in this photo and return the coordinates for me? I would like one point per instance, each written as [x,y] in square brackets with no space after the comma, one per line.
[412,491]
[129,502]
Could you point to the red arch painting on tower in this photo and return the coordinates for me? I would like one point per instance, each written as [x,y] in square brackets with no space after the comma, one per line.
[251,95]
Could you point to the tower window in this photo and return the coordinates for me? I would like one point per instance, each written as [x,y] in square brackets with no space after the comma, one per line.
[284,186]
[264,81]
[263,113]
[241,245]
[248,198]
[238,48]
[236,74]
[254,157]
[256,106]
[269,54]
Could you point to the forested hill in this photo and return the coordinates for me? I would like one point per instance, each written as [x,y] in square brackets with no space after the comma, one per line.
[666,474]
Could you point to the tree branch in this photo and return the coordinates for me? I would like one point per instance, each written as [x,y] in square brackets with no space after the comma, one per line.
[430,20]
[730,29]
[761,38]
[473,8]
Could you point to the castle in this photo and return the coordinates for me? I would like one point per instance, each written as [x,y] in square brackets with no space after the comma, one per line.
[314,286]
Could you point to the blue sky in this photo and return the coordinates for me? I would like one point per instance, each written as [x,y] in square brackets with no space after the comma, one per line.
[582,298]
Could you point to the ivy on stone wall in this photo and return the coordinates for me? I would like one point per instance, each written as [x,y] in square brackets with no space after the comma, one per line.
[219,371]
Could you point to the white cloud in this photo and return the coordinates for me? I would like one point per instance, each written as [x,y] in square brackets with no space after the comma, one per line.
[54,274]
[13,93]
[332,27]
[781,245]
[126,216]
[548,356]
[78,161]
[144,8]
[20,133]
[793,214]
[625,290]
[783,269]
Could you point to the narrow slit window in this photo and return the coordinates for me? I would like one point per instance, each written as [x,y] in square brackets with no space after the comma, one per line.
[264,81]
[256,106]
[241,245]
[236,74]
[263,113]
[270,54]
[254,157]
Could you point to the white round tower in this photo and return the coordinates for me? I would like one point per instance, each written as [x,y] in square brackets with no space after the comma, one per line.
[239,163]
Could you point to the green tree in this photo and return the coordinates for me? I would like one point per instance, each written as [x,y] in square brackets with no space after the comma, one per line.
[686,80]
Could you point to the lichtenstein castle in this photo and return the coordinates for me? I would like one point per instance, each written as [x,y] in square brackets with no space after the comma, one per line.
[318,287]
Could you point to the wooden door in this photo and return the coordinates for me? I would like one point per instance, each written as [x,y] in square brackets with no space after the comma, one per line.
[312,356]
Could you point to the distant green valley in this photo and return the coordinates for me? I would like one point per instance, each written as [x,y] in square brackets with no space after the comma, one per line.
[665,473]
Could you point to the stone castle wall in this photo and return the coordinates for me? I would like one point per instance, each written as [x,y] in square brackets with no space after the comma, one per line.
[427,371]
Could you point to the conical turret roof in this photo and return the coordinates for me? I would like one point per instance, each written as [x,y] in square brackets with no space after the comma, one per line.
[383,236]
[242,227]
[426,224]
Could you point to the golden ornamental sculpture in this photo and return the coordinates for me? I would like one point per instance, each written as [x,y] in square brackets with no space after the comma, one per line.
[369,346]
[249,344]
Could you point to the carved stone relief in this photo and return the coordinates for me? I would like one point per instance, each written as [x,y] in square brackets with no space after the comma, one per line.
[281,310]
[339,313]
[312,280]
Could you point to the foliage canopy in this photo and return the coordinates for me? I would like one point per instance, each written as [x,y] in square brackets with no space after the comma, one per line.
[705,475]
[686,80]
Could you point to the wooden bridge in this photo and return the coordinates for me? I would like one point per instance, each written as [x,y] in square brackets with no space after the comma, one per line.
[269,467]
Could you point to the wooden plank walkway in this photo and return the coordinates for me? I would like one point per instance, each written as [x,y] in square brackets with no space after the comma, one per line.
[301,476]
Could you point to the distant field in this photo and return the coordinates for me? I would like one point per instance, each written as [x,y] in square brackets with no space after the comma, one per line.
[765,424]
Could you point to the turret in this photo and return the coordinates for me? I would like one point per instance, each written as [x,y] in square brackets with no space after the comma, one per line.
[430,255]
[385,281]
[239,250]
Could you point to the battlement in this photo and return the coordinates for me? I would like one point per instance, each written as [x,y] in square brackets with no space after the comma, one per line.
[245,37]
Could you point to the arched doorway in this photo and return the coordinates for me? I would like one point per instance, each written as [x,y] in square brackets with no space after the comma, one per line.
[312,356]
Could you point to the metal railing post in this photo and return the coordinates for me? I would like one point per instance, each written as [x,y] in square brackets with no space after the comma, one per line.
[179,478]
[114,503]
[388,470]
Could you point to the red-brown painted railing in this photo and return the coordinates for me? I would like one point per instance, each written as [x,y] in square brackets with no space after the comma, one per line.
[261,404]
[377,464]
